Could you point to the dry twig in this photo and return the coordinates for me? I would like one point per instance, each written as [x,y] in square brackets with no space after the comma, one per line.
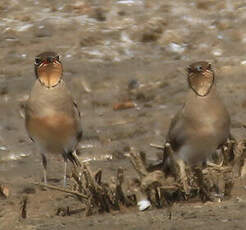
[61,190]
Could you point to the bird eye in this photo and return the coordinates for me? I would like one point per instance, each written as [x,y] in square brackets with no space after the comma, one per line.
[199,68]
[57,58]
[38,61]
[209,66]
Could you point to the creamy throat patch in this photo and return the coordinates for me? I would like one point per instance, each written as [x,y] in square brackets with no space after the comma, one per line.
[49,74]
[201,83]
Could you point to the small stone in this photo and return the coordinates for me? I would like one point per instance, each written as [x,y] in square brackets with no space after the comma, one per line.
[224,220]
[81,8]
[152,30]
[224,24]
[176,48]
[143,205]
[204,4]
[89,39]
[99,14]
[43,30]
[133,84]
[4,190]
[217,52]
[170,36]
[124,105]
[23,18]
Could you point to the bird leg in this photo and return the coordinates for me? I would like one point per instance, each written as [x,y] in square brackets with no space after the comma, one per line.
[44,164]
[169,162]
[65,173]
[183,176]
[228,150]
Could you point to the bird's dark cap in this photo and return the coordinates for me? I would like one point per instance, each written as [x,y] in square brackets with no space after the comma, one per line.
[199,67]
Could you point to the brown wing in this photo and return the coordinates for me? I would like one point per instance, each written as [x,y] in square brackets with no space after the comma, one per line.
[28,112]
[176,133]
[78,120]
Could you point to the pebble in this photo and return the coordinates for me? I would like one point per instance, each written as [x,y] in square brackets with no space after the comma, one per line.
[43,30]
[133,84]
[217,52]
[143,205]
[176,48]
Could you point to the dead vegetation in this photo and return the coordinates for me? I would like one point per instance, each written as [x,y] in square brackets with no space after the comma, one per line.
[154,185]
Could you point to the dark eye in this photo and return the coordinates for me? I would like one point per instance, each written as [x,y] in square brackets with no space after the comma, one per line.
[57,58]
[38,61]
[199,68]
[209,66]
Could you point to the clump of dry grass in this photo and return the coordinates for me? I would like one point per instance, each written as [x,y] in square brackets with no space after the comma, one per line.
[155,184]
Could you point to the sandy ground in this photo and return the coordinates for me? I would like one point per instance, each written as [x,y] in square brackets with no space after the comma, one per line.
[108,47]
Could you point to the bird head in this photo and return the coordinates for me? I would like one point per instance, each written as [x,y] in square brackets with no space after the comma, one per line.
[200,77]
[48,69]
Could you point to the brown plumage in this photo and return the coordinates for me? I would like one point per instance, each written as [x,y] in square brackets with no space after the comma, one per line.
[202,124]
[52,117]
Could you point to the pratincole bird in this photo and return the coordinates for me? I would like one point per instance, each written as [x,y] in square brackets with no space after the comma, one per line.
[202,125]
[52,117]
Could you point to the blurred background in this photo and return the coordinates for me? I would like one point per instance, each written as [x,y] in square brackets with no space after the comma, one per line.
[118,52]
